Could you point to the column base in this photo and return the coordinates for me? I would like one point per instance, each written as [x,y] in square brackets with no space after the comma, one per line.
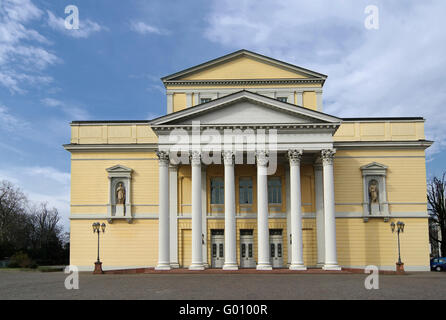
[320,265]
[331,267]
[206,265]
[196,266]
[175,265]
[230,266]
[98,268]
[298,267]
[163,266]
[264,267]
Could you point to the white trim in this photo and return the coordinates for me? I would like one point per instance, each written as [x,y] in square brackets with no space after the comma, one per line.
[391,215]
[424,144]
[305,215]
[104,216]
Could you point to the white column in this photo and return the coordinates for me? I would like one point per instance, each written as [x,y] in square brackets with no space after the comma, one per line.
[169,102]
[196,98]
[230,228]
[263,262]
[297,259]
[300,98]
[197,257]
[188,100]
[163,212]
[173,208]
[319,195]
[288,211]
[331,261]
[204,217]
[291,97]
[319,100]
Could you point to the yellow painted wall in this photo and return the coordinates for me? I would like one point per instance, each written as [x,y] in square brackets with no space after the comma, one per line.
[112,133]
[122,244]
[405,181]
[361,244]
[380,131]
[89,180]
[179,101]
[309,100]
[244,68]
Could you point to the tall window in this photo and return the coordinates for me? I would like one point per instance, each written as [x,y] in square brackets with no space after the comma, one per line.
[245,190]
[275,190]
[217,191]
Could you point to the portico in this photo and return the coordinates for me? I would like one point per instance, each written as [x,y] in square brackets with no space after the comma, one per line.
[230,144]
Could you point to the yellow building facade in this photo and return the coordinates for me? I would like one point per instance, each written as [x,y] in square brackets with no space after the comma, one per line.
[246,170]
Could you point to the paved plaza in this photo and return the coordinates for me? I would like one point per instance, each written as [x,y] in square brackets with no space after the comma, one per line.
[50,285]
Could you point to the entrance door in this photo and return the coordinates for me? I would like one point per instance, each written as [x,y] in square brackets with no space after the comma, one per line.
[276,247]
[247,249]
[217,248]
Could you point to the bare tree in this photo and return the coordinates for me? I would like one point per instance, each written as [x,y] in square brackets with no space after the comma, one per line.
[33,230]
[437,210]
[13,217]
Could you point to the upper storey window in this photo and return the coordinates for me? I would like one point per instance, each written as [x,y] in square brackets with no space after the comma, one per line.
[217,191]
[204,100]
[282,99]
[274,190]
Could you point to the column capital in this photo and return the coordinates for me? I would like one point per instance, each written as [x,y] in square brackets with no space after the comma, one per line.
[327,156]
[262,158]
[195,157]
[228,157]
[163,157]
[294,156]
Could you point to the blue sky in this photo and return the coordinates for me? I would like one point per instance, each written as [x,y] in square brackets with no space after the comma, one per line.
[110,68]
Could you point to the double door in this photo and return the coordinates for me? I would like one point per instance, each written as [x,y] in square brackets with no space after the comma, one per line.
[217,249]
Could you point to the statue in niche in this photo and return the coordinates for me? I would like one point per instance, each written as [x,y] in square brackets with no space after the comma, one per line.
[120,194]
[374,197]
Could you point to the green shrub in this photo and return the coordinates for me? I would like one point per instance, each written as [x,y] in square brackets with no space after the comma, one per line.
[21,260]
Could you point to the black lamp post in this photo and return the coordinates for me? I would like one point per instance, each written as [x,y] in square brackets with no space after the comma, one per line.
[97,227]
[399,228]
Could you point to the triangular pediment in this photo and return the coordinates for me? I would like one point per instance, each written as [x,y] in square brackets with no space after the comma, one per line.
[242,65]
[245,108]
[374,166]
[119,168]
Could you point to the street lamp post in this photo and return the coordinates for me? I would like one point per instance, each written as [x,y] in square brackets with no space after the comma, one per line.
[399,228]
[97,229]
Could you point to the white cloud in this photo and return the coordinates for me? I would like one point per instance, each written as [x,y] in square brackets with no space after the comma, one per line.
[86,26]
[72,110]
[394,71]
[22,55]
[8,121]
[143,28]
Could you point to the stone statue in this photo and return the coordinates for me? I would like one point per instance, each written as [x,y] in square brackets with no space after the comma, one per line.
[373,191]
[120,194]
